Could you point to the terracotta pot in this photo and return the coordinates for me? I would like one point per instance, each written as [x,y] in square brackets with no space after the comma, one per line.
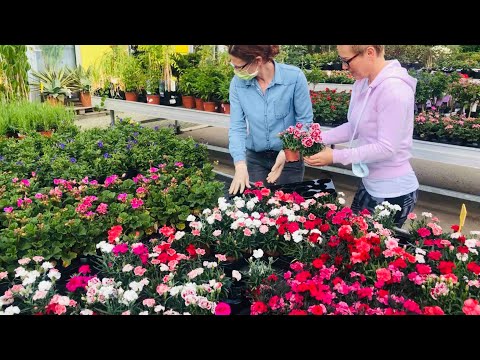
[198,104]
[86,99]
[54,101]
[291,155]
[188,102]
[231,258]
[226,108]
[153,99]
[131,96]
[209,106]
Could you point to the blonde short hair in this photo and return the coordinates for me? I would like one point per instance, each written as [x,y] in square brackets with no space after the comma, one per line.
[380,49]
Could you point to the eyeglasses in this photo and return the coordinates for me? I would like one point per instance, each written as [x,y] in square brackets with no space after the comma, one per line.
[347,62]
[239,67]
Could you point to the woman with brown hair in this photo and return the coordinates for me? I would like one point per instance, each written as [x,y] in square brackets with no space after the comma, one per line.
[266,98]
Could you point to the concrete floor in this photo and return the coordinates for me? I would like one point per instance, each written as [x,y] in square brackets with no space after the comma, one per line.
[447,209]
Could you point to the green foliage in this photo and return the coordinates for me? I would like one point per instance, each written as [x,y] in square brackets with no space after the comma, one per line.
[14,66]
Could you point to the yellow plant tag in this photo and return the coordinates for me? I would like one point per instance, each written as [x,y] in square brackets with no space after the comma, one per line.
[41,87]
[463,215]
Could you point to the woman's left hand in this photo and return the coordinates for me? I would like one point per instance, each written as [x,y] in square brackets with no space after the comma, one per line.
[323,158]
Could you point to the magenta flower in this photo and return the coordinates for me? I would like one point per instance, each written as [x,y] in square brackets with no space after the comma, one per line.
[120,249]
[136,203]
[84,269]
[179,164]
[122,197]
[38,196]
[19,202]
[8,209]
[222,309]
[25,182]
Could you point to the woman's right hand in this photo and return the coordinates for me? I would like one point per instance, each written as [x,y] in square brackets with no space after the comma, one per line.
[240,180]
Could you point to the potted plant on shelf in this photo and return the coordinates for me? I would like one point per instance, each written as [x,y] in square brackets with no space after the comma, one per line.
[223,94]
[207,85]
[132,77]
[82,81]
[187,86]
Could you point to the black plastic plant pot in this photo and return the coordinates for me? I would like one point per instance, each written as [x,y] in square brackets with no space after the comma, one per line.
[307,189]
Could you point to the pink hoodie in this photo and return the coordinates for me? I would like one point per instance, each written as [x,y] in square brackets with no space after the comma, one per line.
[385,130]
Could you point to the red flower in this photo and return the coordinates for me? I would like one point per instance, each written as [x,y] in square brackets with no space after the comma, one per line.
[191,250]
[303,276]
[272,278]
[433,310]
[473,267]
[423,269]
[462,249]
[292,227]
[455,228]
[258,308]
[446,267]
[298,312]
[434,255]
[316,310]
[318,263]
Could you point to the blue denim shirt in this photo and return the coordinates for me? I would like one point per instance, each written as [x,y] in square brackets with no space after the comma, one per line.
[256,118]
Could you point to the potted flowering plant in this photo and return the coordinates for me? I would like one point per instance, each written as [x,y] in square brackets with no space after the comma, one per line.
[291,141]
[297,141]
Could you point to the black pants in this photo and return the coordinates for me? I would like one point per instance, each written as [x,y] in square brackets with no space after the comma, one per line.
[259,165]
[363,200]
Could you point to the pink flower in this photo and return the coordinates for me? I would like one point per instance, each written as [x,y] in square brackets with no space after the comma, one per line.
[222,309]
[217,232]
[120,249]
[247,232]
[122,197]
[263,229]
[8,209]
[136,203]
[24,261]
[126,312]
[25,182]
[139,271]
[38,196]
[179,164]
[471,307]
[423,232]
[149,302]
[412,216]
[3,275]
[221,257]
[19,202]
[383,274]
[102,208]
[162,289]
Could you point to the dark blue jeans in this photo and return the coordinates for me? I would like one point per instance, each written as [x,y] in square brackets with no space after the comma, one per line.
[259,165]
[363,200]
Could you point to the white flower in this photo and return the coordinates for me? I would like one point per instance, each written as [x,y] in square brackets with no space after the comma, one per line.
[471,243]
[236,275]
[105,247]
[462,257]
[191,218]
[12,310]
[341,193]
[420,251]
[44,285]
[206,212]
[20,272]
[474,232]
[240,203]
[86,312]
[127,268]
[54,274]
[217,233]
[341,200]
[420,259]
[257,253]
[47,265]
[250,205]
[427,214]
[143,313]
[130,296]
[179,235]
[384,213]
